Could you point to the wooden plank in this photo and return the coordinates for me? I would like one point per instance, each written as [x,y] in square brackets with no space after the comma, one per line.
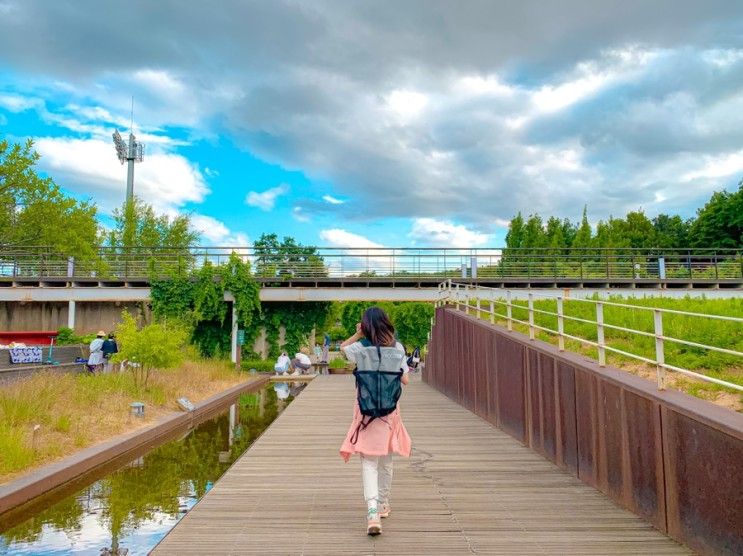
[467,489]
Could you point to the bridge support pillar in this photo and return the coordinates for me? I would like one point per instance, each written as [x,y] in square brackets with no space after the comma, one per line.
[71,314]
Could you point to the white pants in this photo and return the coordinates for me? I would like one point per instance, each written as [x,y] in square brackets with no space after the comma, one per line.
[376,473]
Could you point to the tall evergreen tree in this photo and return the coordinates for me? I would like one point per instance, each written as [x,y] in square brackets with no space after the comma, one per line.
[584,235]
[515,235]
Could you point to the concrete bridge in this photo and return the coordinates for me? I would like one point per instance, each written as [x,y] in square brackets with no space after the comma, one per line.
[40,289]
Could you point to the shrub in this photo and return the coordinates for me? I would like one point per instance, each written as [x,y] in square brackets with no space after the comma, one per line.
[259,365]
[155,346]
[66,336]
[337,363]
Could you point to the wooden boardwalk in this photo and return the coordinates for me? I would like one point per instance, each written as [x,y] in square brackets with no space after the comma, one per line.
[468,489]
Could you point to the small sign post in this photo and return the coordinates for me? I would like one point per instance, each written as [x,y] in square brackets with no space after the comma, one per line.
[240,343]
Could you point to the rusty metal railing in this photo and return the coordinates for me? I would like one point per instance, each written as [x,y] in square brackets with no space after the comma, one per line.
[469,298]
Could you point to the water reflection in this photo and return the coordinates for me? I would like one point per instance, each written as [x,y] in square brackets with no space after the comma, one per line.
[134,506]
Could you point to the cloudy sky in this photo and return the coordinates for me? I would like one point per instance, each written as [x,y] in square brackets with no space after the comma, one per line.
[419,123]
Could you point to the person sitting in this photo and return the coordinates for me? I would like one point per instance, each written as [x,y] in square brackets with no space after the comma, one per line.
[301,362]
[282,364]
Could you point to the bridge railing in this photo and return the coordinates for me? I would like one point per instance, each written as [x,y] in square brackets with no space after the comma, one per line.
[480,264]
[499,305]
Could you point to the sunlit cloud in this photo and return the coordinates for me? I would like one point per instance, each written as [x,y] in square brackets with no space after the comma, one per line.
[265,200]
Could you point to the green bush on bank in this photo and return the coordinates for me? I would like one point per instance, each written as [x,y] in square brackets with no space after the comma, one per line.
[258,364]
[337,363]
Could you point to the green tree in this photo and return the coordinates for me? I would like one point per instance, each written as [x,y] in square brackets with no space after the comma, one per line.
[286,258]
[671,231]
[555,234]
[147,244]
[34,212]
[534,235]
[719,223]
[412,323]
[154,346]
[137,225]
[638,230]
[583,237]
[515,235]
[611,234]
[199,301]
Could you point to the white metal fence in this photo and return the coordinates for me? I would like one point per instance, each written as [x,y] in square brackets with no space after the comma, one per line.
[470,298]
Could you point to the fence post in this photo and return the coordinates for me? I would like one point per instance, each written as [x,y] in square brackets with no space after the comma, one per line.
[531,316]
[467,299]
[560,325]
[492,312]
[456,289]
[600,333]
[508,310]
[479,314]
[660,358]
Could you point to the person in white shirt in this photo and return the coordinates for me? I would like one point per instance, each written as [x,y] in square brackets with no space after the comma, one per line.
[301,362]
[282,364]
[95,359]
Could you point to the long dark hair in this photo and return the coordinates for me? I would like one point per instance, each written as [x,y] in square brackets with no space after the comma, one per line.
[377,327]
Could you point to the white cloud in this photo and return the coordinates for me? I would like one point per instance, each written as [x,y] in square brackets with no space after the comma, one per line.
[590,77]
[441,233]
[337,237]
[266,200]
[160,82]
[332,200]
[90,167]
[361,253]
[18,103]
[406,104]
[300,215]
[214,232]
[717,167]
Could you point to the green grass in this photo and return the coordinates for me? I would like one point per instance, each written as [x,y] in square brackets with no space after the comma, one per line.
[260,365]
[724,334]
[75,410]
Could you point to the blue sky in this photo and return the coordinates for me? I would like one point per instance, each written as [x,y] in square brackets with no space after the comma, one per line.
[397,124]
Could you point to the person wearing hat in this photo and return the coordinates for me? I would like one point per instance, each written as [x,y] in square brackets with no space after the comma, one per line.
[95,359]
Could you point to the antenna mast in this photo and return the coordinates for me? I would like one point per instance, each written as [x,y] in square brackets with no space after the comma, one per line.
[131,153]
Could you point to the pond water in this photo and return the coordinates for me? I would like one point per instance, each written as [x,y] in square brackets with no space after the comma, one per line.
[130,505]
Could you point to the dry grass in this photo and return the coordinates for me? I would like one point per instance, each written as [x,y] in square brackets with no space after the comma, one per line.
[75,411]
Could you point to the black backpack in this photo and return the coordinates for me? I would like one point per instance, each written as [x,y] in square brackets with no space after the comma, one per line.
[377,392]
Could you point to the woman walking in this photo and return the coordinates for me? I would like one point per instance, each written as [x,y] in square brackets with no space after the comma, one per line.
[375,439]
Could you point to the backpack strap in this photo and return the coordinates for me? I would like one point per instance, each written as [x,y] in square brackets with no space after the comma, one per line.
[363,424]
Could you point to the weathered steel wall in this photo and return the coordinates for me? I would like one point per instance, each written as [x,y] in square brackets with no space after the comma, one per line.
[90,316]
[675,460]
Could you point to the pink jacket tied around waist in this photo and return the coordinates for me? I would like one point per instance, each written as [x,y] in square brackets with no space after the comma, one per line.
[384,435]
